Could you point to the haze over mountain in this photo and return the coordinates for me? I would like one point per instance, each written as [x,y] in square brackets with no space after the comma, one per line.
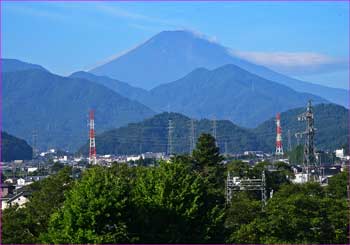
[120,87]
[227,92]
[9,65]
[170,55]
[151,135]
[56,108]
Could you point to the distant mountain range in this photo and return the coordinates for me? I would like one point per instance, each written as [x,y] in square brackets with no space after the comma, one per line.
[10,65]
[225,87]
[151,135]
[56,108]
[227,92]
[122,88]
[170,55]
[13,148]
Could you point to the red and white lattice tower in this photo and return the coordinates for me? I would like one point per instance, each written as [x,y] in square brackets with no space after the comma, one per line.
[279,147]
[92,149]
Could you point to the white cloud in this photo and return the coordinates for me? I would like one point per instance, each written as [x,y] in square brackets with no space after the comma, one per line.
[296,63]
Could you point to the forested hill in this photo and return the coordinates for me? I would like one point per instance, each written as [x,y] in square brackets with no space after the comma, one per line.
[331,122]
[151,135]
[57,108]
[13,148]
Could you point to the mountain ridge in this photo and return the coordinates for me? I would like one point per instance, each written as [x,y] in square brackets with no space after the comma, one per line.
[57,107]
[151,135]
[170,55]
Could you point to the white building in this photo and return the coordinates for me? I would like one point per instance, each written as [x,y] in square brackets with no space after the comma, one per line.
[18,199]
[339,153]
[32,169]
[133,158]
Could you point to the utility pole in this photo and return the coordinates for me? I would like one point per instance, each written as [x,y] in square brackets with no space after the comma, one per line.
[170,150]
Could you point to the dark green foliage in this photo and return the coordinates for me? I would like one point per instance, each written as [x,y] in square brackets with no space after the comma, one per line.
[172,206]
[297,214]
[238,168]
[24,225]
[296,155]
[331,122]
[165,204]
[57,108]
[151,135]
[180,201]
[13,148]
[242,210]
[337,185]
[94,211]
[57,166]
[207,161]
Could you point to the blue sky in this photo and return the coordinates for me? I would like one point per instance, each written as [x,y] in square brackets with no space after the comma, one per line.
[307,40]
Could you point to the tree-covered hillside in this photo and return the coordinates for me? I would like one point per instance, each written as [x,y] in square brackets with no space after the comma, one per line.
[151,135]
[331,122]
[228,93]
[13,148]
[57,108]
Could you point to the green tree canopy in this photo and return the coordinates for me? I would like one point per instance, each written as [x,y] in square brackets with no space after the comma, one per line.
[94,211]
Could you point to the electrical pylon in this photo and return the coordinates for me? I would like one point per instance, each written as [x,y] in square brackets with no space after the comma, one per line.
[310,168]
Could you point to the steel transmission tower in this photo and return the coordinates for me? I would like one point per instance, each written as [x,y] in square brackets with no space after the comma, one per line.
[92,148]
[279,147]
[170,149]
[192,136]
[310,168]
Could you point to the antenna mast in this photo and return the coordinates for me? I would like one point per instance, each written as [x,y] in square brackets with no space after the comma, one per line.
[279,147]
[92,149]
